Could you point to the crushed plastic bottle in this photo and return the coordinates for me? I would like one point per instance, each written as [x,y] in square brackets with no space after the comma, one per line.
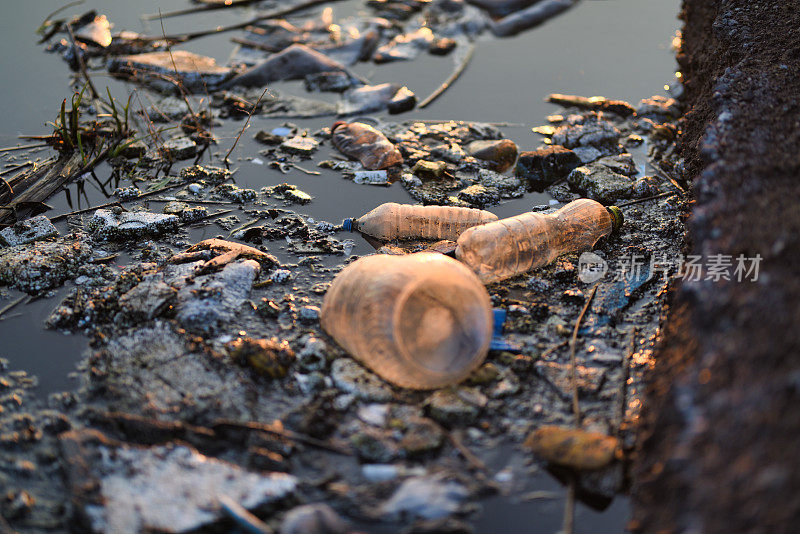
[407,221]
[512,246]
[419,321]
[366,144]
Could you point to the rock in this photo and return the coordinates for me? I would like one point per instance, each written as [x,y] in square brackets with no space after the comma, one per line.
[148,298]
[485,374]
[268,357]
[403,100]
[350,377]
[502,153]
[405,47]
[659,109]
[336,82]
[479,196]
[214,298]
[374,445]
[28,231]
[109,224]
[133,149]
[422,436]
[442,46]
[297,196]
[591,131]
[293,63]
[214,175]
[308,314]
[268,138]
[42,265]
[572,448]
[315,518]
[427,497]
[170,488]
[303,146]
[600,183]
[234,193]
[126,193]
[507,185]
[587,154]
[429,169]
[193,214]
[546,165]
[195,73]
[456,407]
[621,163]
[179,148]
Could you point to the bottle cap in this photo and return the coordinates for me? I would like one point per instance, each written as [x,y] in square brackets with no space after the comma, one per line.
[348,224]
[616,215]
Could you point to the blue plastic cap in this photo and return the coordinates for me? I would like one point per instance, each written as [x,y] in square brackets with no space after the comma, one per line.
[347,225]
[498,343]
[499,320]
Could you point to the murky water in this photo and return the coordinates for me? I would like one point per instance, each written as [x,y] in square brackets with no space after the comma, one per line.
[615,48]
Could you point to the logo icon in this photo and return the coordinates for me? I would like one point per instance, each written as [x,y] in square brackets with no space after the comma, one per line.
[591,267]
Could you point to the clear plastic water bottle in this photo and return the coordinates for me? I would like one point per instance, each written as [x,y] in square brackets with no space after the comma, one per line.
[419,321]
[366,144]
[512,246]
[406,221]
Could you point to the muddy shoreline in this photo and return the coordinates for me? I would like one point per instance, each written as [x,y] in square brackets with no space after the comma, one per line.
[718,450]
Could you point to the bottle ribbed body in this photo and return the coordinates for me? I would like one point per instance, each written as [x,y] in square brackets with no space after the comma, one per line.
[419,321]
[512,246]
[407,221]
[366,144]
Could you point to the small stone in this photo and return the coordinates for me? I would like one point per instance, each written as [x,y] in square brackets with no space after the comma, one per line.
[313,355]
[268,138]
[422,436]
[297,196]
[479,196]
[269,357]
[179,148]
[403,100]
[280,276]
[196,73]
[600,183]
[350,377]
[486,373]
[429,169]
[587,154]
[193,214]
[374,445]
[106,224]
[572,448]
[126,193]
[456,407]
[502,153]
[442,46]
[308,314]
[28,231]
[174,207]
[135,149]
[214,175]
[303,146]
[546,165]
[147,299]
[659,108]
[236,194]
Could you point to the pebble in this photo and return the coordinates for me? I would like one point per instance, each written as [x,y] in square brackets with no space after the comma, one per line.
[28,231]
[427,497]
[352,378]
[111,224]
[456,407]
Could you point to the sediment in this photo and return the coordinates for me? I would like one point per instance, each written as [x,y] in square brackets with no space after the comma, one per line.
[718,444]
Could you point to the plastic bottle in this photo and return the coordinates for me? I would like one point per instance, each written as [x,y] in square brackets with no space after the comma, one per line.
[406,221]
[366,144]
[512,246]
[419,321]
